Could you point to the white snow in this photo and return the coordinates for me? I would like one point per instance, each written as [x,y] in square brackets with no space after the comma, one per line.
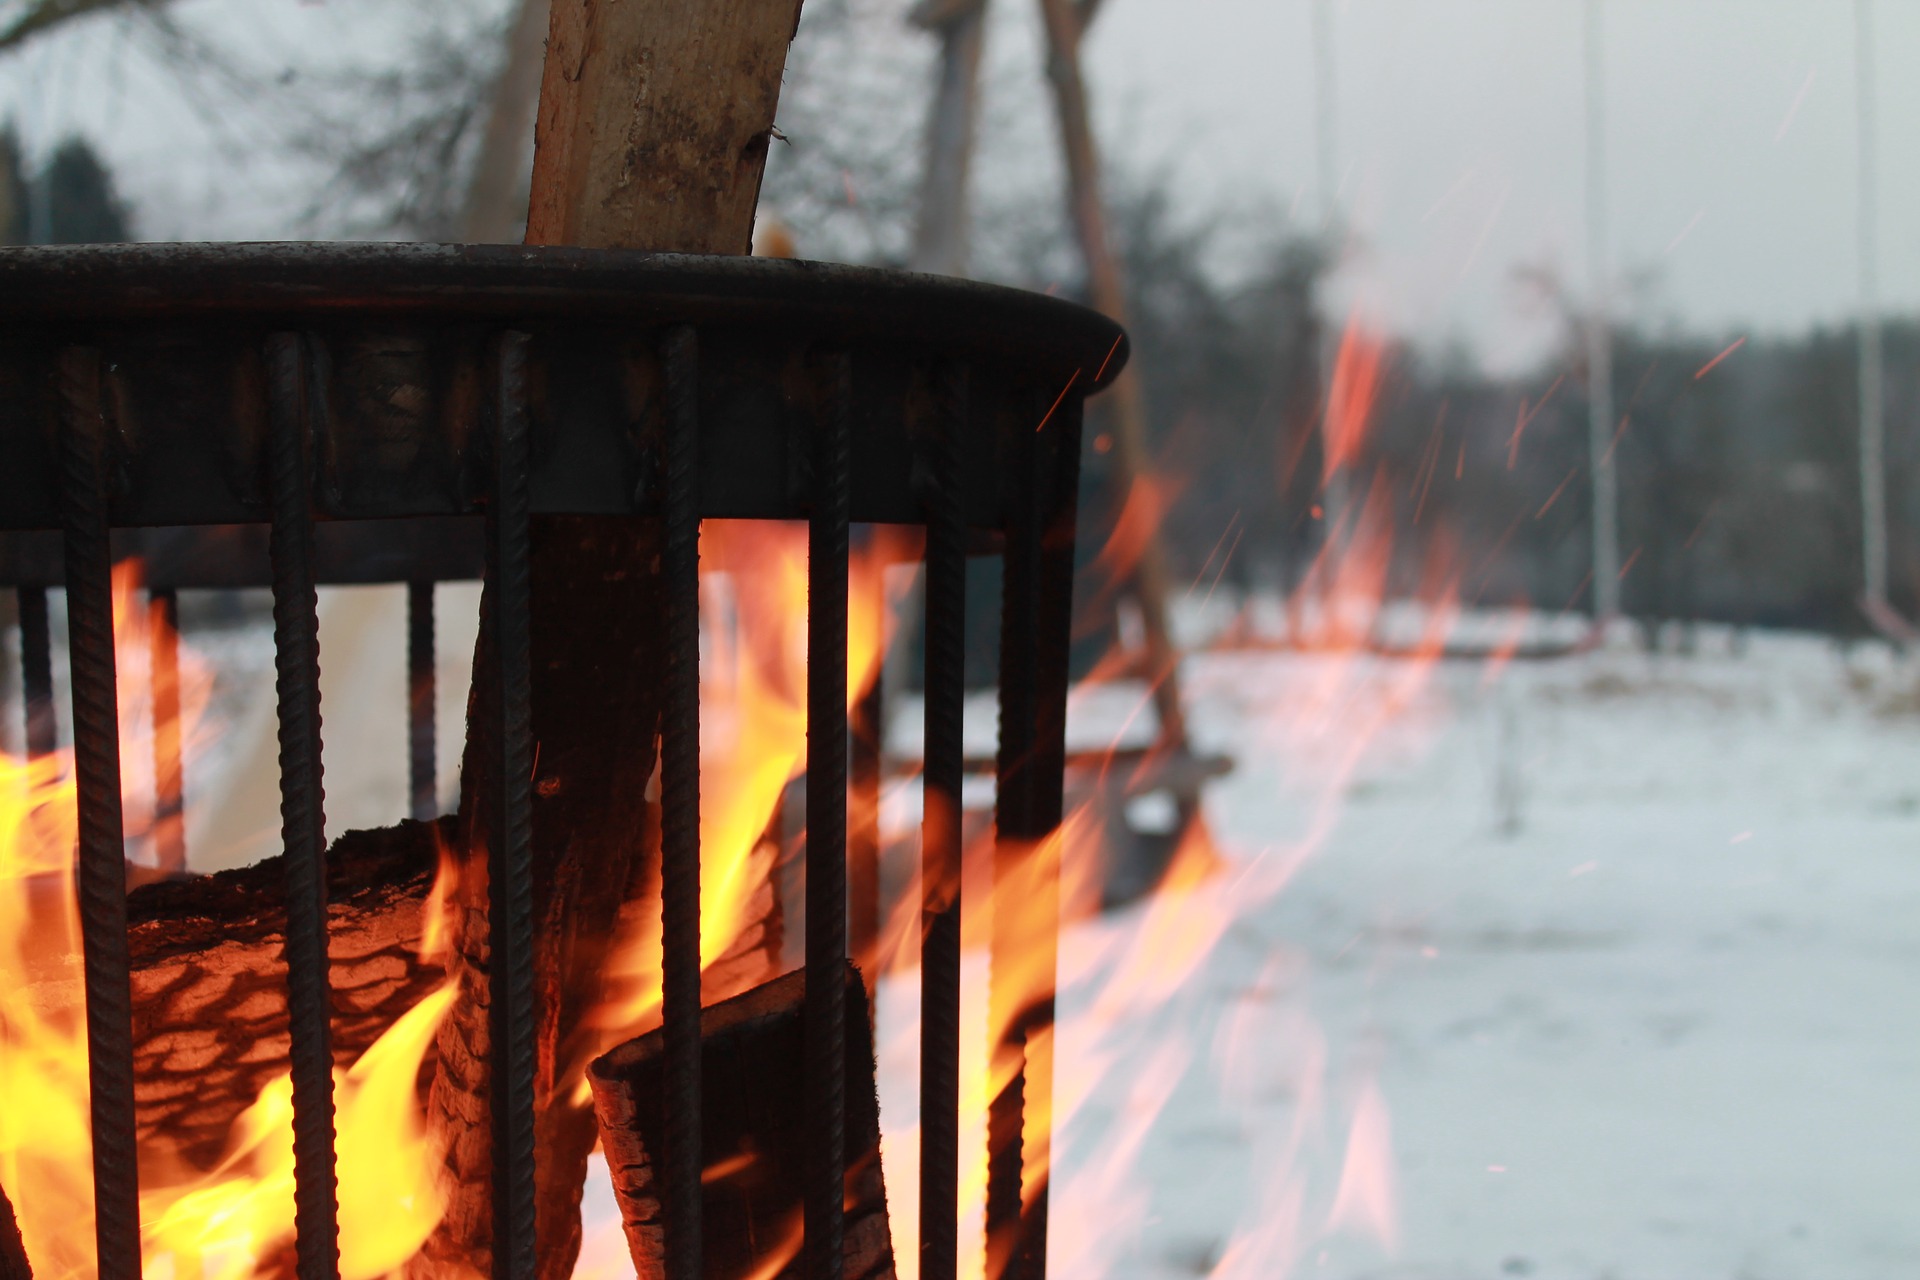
[1627,949]
[1628,945]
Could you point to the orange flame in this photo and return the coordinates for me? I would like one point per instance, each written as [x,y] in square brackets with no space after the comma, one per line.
[145,688]
[214,1224]
[1358,367]
[221,1225]
[753,736]
[1121,1047]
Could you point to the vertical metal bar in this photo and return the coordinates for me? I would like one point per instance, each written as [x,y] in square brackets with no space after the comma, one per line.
[826,1001]
[1036,616]
[422,779]
[863,829]
[680,815]
[169,778]
[296,647]
[940,838]
[510,860]
[36,672]
[102,842]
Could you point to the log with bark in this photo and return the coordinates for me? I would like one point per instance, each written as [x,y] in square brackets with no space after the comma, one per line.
[652,132]
[752,1136]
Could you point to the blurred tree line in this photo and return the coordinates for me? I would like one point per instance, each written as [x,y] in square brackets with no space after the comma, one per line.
[1738,486]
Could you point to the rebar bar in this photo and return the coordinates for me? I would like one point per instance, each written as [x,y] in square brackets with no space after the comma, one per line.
[296,648]
[680,814]
[510,860]
[102,837]
[944,759]
[422,781]
[169,780]
[826,1001]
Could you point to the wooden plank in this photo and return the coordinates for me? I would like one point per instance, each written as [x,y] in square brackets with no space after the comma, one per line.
[654,122]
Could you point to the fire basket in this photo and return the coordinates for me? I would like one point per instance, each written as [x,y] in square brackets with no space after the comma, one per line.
[297,386]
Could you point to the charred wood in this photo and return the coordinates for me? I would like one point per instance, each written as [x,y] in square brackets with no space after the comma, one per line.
[753,1135]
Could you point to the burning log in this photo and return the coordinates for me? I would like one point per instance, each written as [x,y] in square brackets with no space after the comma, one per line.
[210,979]
[595,716]
[652,133]
[753,1135]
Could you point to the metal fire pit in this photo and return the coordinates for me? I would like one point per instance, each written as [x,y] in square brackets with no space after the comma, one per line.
[281,385]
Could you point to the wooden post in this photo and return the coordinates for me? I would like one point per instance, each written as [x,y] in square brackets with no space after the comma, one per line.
[492,210]
[651,134]
[1065,21]
[940,240]
[654,122]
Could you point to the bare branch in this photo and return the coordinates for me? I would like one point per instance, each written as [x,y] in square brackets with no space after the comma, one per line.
[48,14]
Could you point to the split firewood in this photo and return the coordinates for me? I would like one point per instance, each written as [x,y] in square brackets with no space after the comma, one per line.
[210,979]
[752,1135]
[654,121]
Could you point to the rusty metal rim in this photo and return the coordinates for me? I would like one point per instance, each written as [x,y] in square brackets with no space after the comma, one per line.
[134,283]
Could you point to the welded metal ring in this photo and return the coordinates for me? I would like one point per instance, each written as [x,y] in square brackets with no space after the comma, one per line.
[398,344]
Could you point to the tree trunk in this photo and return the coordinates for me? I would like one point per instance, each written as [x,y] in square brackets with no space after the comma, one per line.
[492,211]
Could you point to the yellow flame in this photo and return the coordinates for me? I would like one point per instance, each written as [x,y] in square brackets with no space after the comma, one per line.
[215,1224]
[1126,977]
[220,1226]
[753,734]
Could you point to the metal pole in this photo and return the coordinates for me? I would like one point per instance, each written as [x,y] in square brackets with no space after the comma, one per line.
[1600,426]
[36,672]
[940,837]
[680,815]
[1873,477]
[825,1061]
[169,799]
[510,855]
[296,648]
[422,771]
[101,854]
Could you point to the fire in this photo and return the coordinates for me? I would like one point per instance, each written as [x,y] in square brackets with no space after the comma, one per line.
[145,686]
[753,735]
[220,1223]
[1124,1045]
[1358,368]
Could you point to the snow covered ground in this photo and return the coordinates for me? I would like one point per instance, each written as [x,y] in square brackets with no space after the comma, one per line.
[1619,955]
[1599,968]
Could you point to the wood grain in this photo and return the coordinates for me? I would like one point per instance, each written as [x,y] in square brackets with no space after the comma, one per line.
[655,118]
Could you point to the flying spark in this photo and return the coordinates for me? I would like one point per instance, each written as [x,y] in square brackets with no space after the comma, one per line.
[1793,108]
[1708,366]
[1694,221]
[1555,495]
[1056,402]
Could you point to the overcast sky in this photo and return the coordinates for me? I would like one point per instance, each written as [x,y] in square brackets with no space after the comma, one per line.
[1459,141]
[1460,133]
